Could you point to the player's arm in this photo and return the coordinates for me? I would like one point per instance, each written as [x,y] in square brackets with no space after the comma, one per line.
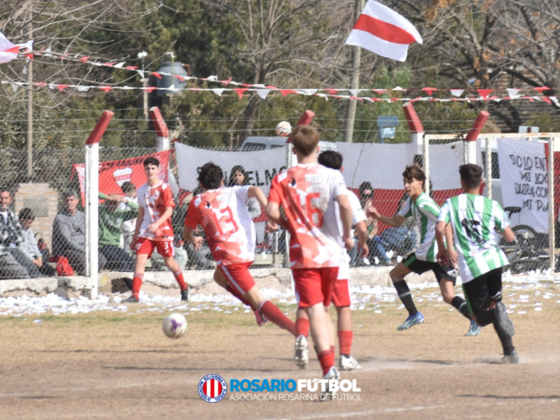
[441,228]
[361,231]
[141,211]
[451,253]
[188,236]
[396,221]
[256,192]
[152,228]
[508,234]
[346,217]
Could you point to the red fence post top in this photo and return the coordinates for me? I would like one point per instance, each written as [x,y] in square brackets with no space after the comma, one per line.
[305,119]
[477,126]
[159,122]
[414,124]
[100,128]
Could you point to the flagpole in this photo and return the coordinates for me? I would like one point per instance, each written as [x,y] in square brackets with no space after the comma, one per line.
[355,82]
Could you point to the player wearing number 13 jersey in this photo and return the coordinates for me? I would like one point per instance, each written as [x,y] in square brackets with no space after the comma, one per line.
[307,193]
[475,220]
[222,213]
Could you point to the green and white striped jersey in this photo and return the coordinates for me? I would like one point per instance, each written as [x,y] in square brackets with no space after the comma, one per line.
[474,220]
[425,212]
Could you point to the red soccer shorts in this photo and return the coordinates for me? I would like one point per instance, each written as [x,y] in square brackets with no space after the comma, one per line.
[341,293]
[314,285]
[238,276]
[145,246]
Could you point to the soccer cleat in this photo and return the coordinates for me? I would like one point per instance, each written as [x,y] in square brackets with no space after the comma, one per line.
[331,374]
[502,320]
[510,359]
[473,330]
[348,363]
[301,352]
[131,299]
[261,319]
[185,295]
[411,321]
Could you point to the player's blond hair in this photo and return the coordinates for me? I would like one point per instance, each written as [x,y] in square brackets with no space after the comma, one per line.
[305,139]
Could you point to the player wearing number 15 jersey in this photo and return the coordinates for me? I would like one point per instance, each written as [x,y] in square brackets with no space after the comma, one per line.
[222,213]
[153,230]
[308,193]
[475,220]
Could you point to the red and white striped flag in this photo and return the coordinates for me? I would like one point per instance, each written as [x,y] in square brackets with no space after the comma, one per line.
[383,32]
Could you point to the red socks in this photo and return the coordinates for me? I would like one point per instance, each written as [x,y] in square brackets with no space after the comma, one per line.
[275,315]
[326,358]
[345,341]
[302,327]
[238,295]
[179,277]
[137,284]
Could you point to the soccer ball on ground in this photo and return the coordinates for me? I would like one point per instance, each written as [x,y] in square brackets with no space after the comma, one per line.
[174,325]
[283,129]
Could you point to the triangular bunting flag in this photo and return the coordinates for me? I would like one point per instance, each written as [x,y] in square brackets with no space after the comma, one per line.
[131,67]
[380,91]
[355,92]
[108,64]
[15,87]
[140,73]
[181,78]
[513,93]
[285,92]
[218,91]
[484,92]
[541,89]
[457,92]
[149,88]
[429,90]
[106,88]
[154,73]
[240,91]
[119,65]
[263,93]
[84,59]
[61,87]
[83,88]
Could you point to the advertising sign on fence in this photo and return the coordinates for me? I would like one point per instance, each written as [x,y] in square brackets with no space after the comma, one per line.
[113,174]
[260,166]
[524,179]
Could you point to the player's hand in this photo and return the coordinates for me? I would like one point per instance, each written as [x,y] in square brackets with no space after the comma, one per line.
[153,228]
[349,243]
[197,242]
[453,257]
[271,227]
[365,250]
[133,244]
[372,212]
[441,257]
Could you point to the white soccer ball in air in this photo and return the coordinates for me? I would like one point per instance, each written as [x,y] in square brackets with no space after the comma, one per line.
[174,325]
[283,129]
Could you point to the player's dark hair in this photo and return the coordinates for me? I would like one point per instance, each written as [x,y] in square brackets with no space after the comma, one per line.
[210,176]
[128,187]
[69,193]
[471,175]
[366,185]
[305,139]
[151,161]
[26,214]
[331,159]
[414,171]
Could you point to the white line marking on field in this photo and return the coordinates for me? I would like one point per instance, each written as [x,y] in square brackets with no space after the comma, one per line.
[362,413]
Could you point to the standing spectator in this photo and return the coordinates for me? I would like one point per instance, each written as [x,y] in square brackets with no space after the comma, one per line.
[10,233]
[129,226]
[238,177]
[111,219]
[69,234]
[29,244]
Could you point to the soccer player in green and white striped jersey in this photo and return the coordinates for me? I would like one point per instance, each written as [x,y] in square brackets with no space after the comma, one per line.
[475,220]
[425,211]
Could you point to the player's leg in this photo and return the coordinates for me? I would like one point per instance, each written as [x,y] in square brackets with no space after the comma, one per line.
[165,249]
[398,274]
[487,308]
[302,323]
[220,278]
[143,252]
[239,277]
[341,300]
[301,354]
[330,328]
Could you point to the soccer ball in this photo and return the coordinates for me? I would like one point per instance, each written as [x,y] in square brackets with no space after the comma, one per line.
[283,129]
[174,325]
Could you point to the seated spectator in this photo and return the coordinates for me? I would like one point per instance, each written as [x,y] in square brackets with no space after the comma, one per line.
[69,234]
[111,219]
[129,226]
[10,236]
[29,244]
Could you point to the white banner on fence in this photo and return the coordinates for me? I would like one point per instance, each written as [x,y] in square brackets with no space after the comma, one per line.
[260,166]
[524,181]
[380,164]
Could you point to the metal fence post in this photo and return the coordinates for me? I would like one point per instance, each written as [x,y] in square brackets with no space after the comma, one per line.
[162,132]
[426,162]
[470,140]
[92,201]
[489,167]
[551,205]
